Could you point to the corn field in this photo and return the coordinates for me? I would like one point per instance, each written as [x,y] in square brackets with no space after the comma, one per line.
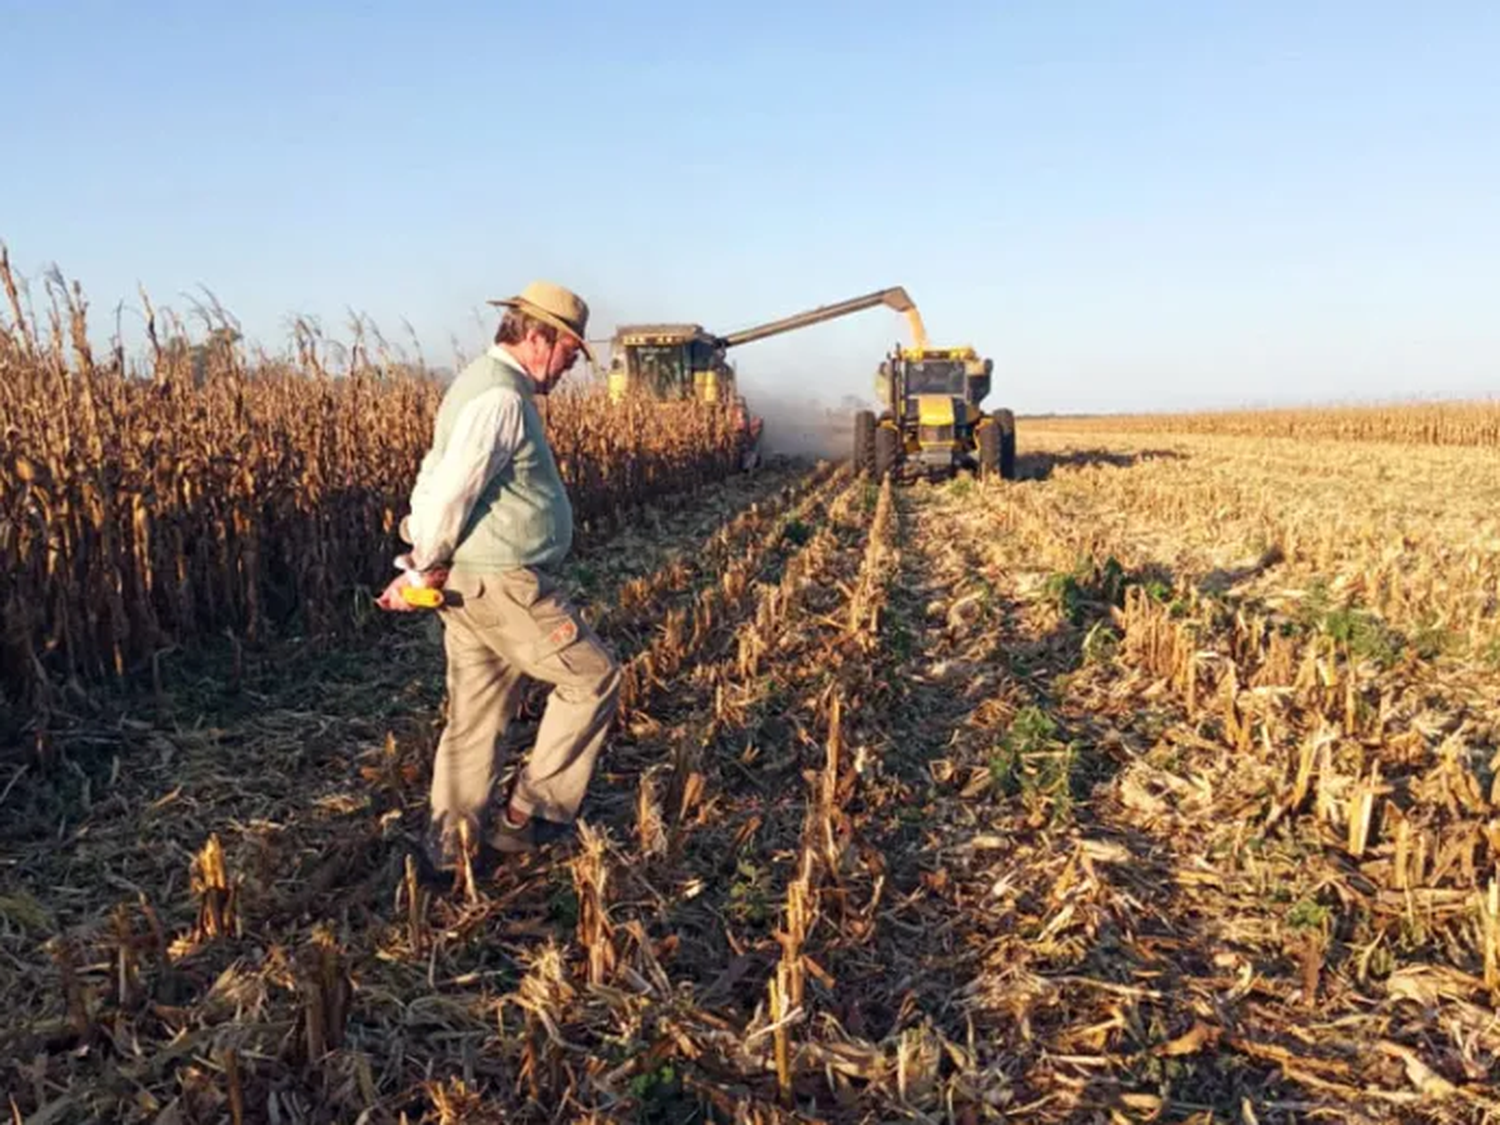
[145,510]
[1161,783]
[1462,423]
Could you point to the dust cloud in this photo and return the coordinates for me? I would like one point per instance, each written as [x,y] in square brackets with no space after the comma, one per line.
[801,425]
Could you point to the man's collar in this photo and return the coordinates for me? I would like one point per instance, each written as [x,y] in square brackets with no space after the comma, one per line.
[501,353]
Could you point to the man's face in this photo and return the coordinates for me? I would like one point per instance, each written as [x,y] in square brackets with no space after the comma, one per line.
[550,360]
[564,356]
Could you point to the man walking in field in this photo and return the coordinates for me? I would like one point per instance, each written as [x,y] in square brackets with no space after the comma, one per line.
[490,522]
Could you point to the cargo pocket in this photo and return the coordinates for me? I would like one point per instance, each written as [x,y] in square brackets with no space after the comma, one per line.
[567,647]
[560,626]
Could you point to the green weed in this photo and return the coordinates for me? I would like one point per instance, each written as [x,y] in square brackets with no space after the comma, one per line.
[1093,585]
[1305,914]
[1361,633]
[1032,764]
[749,894]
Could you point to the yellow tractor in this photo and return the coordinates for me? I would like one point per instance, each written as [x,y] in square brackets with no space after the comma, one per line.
[931,422]
[685,361]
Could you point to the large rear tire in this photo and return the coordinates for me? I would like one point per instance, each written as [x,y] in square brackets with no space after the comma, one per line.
[864,441]
[997,446]
[887,451]
[1006,423]
[988,435]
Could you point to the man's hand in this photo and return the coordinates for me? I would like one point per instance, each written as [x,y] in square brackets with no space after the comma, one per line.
[391,599]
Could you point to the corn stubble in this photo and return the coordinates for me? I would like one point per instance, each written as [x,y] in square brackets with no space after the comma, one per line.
[1161,784]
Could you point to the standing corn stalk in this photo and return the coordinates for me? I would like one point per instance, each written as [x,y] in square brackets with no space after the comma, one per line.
[207,494]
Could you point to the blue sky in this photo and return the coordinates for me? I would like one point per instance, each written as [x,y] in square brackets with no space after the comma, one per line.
[1148,205]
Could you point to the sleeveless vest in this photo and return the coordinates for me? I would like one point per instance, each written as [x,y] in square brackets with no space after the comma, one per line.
[522,517]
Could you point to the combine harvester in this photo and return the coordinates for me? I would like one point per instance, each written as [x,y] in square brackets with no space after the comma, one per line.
[684,361]
[931,423]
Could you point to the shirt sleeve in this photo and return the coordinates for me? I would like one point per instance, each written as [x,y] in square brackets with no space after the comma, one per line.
[485,435]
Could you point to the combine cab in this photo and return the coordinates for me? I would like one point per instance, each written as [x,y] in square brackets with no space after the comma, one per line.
[931,423]
[685,361]
[669,361]
[675,362]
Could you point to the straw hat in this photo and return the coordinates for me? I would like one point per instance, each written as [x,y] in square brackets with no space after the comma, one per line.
[559,307]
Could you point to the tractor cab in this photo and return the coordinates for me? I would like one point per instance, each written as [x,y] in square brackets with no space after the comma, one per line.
[931,420]
[935,377]
[954,373]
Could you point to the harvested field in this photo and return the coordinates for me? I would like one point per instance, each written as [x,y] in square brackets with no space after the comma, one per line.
[1161,784]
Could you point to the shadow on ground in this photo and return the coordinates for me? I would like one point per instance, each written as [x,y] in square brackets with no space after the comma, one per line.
[1040,466]
[1056,817]
[1224,579]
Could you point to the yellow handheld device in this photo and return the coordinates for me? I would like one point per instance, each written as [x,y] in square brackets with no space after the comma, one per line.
[428,597]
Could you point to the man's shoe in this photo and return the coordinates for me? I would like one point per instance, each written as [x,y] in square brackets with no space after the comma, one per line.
[437,861]
[512,839]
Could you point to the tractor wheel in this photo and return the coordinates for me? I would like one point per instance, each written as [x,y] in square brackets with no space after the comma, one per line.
[887,449]
[864,441]
[988,435]
[997,445]
[1006,423]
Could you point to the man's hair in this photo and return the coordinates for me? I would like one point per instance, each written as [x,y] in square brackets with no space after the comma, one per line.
[515,324]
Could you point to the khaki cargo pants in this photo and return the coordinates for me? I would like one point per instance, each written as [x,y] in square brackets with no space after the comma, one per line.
[498,629]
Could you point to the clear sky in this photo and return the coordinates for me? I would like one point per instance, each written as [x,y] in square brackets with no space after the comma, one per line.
[1155,204]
